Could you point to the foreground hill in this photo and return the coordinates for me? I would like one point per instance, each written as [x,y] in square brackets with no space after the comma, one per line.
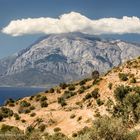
[63,58]
[106,107]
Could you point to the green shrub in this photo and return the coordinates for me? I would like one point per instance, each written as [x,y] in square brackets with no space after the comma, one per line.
[68,94]
[51,90]
[74,135]
[99,102]
[61,101]
[23,121]
[46,91]
[6,112]
[32,114]
[83,82]
[26,111]
[120,92]
[95,93]
[133,80]
[32,108]
[31,98]
[108,129]
[9,101]
[110,86]
[79,118]
[63,85]
[1,117]
[72,116]
[44,104]
[96,81]
[43,98]
[29,129]
[82,89]
[88,96]
[57,129]
[17,117]
[71,87]
[24,103]
[42,127]
[123,76]
[8,128]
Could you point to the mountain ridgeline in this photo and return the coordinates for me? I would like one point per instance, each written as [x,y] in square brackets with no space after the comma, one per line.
[64,57]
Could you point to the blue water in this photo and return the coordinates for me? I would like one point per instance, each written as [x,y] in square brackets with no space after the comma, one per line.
[16,92]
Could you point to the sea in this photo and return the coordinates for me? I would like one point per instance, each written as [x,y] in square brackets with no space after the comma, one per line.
[17,93]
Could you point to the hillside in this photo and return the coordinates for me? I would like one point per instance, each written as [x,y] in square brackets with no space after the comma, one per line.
[70,108]
[63,58]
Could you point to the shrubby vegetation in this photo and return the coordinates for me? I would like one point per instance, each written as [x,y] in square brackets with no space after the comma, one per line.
[128,103]
[123,76]
[5,112]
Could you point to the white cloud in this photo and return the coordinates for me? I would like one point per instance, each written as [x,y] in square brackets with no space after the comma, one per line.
[73,22]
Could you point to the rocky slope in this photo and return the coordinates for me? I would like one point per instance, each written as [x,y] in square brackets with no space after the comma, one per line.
[68,108]
[64,57]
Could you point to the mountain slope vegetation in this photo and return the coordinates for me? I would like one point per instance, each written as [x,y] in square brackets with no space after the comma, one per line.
[98,107]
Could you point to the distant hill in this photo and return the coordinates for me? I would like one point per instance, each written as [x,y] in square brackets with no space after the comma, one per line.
[105,107]
[62,58]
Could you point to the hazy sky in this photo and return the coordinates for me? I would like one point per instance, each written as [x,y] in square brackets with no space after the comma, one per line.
[92,9]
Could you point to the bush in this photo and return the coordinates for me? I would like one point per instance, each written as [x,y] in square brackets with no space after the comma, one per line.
[42,127]
[120,92]
[79,118]
[57,129]
[88,96]
[24,103]
[72,116]
[95,93]
[51,90]
[123,76]
[29,129]
[17,117]
[8,128]
[32,108]
[43,98]
[9,101]
[133,80]
[61,101]
[82,82]
[26,111]
[23,121]
[74,135]
[46,91]
[99,102]
[32,114]
[68,94]
[80,91]
[44,104]
[1,117]
[71,87]
[31,98]
[110,86]
[63,85]
[96,81]
[108,129]
[6,112]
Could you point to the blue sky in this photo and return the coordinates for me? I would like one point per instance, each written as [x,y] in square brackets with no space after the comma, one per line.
[93,9]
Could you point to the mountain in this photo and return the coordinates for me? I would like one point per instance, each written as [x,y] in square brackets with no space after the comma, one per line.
[95,108]
[62,58]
